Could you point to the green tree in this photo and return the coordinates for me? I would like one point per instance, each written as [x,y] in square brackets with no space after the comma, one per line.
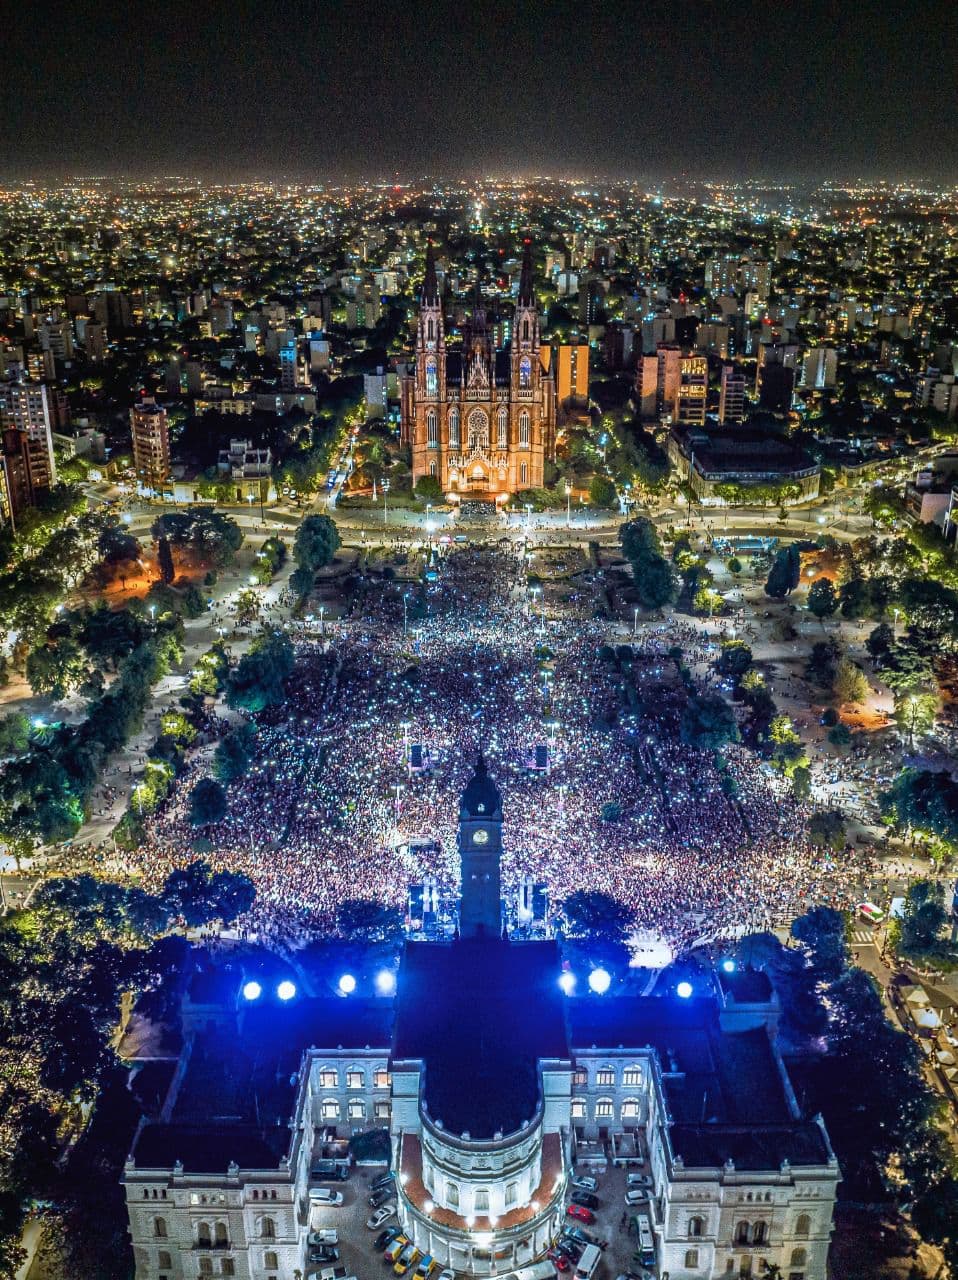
[258,680]
[734,659]
[850,684]
[164,560]
[301,580]
[317,541]
[602,492]
[826,829]
[880,640]
[429,489]
[207,803]
[708,722]
[234,753]
[369,920]
[591,913]
[915,714]
[923,917]
[14,734]
[801,784]
[822,600]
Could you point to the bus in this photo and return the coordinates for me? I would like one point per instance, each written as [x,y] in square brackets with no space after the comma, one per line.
[646,1248]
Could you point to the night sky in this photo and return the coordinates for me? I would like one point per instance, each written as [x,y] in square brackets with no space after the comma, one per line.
[315,89]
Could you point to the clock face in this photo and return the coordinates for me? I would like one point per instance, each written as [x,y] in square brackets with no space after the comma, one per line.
[480,837]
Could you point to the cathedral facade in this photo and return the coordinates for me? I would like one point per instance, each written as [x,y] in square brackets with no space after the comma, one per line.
[481,420]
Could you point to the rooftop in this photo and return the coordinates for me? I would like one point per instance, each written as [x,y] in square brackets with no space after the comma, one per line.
[480,1013]
[203,1149]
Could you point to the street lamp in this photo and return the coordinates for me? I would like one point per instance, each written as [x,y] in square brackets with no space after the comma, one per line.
[385,492]
[635,621]
[528,517]
[322,626]
[568,505]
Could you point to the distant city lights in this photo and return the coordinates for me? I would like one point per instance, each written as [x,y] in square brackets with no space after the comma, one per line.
[286,990]
[600,981]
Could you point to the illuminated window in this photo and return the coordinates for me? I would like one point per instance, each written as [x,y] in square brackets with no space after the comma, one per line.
[433,469]
[503,428]
[525,370]
[578,1109]
[524,473]
[328,1078]
[482,1200]
[630,1109]
[605,1077]
[355,1079]
[454,429]
[632,1077]
[383,1110]
[523,430]
[432,379]
[382,1079]
[432,429]
[580,1077]
[604,1109]
[330,1109]
[357,1110]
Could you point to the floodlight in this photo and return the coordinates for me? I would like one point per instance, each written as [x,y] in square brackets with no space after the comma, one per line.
[252,991]
[684,990]
[600,981]
[347,984]
[567,982]
[286,990]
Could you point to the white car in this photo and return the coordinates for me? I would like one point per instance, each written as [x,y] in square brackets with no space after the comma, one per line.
[446,1274]
[381,1215]
[327,1235]
[584,1182]
[641,1181]
[325,1196]
[637,1196]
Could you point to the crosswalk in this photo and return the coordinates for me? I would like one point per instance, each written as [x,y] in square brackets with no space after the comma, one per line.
[863,937]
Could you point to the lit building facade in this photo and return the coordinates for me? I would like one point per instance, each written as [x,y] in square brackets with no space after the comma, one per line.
[151,444]
[480,420]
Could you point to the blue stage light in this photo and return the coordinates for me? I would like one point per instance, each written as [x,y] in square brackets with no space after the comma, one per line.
[385,982]
[567,982]
[600,981]
[252,991]
[286,990]
[728,966]
[347,984]
[684,989]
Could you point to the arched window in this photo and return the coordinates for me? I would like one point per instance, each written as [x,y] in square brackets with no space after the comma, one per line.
[433,469]
[691,1257]
[631,1109]
[430,329]
[159,1228]
[632,1076]
[165,1260]
[605,1076]
[432,429]
[452,1195]
[604,1107]
[267,1229]
[503,430]
[512,1192]
[454,428]
[482,1200]
[523,430]
[204,1235]
[525,372]
[524,473]
[222,1235]
[330,1109]
[803,1226]
[799,1257]
[432,380]
[760,1233]
[525,329]
[271,1260]
[695,1228]
[741,1233]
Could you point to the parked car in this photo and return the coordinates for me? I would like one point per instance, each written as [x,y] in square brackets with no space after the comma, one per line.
[326,1235]
[382,1214]
[571,1248]
[381,1196]
[407,1258]
[643,1180]
[324,1254]
[638,1195]
[324,1196]
[584,1182]
[571,1231]
[385,1238]
[330,1171]
[446,1273]
[577,1211]
[559,1260]
[427,1265]
[395,1248]
[384,1180]
[586,1198]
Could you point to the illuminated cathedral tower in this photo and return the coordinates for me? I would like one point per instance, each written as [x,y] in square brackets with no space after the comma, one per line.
[480,419]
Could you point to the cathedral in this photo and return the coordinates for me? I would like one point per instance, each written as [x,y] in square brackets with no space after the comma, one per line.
[481,419]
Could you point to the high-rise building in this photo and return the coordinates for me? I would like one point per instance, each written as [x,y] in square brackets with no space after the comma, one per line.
[56,336]
[288,367]
[571,365]
[480,420]
[31,409]
[692,394]
[732,395]
[151,444]
[775,376]
[375,393]
[820,368]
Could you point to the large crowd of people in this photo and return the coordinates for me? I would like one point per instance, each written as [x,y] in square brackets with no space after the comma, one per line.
[331,809]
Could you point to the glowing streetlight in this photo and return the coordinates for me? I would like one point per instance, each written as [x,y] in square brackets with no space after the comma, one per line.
[385,982]
[599,981]
[684,990]
[347,984]
[286,990]
[252,991]
[567,982]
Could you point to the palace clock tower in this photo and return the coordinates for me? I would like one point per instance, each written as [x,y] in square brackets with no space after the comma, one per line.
[480,852]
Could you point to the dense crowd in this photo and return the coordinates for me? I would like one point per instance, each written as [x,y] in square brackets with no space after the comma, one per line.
[331,810]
